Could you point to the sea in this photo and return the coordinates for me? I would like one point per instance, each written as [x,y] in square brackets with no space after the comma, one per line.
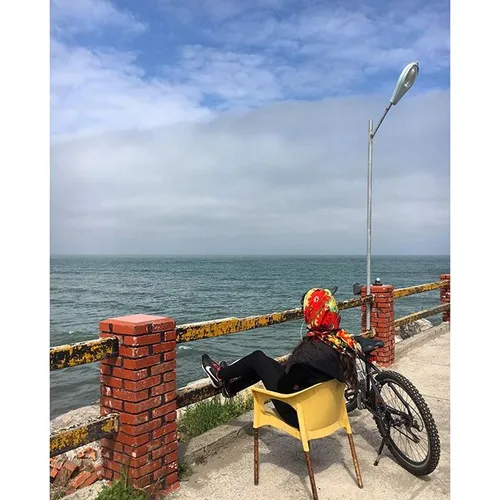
[87,289]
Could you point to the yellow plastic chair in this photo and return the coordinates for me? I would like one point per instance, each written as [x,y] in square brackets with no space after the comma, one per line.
[321,411]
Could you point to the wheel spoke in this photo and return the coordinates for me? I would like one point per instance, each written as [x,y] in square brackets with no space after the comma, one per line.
[404,415]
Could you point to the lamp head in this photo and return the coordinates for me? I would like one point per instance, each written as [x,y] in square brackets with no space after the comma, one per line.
[405,81]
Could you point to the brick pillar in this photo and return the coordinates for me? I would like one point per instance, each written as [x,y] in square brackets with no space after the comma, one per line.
[445,296]
[382,319]
[140,385]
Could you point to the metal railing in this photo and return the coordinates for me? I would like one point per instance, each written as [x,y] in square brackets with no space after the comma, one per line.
[67,356]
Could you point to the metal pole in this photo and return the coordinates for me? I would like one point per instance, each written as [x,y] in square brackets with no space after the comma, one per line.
[369,221]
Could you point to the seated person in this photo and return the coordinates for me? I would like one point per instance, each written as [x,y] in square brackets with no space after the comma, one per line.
[325,353]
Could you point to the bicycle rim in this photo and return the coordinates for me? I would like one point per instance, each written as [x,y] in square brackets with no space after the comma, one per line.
[413,436]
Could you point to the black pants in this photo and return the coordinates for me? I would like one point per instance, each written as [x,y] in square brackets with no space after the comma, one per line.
[259,367]
[252,369]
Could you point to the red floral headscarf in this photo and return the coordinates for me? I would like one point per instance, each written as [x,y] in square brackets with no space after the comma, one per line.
[322,318]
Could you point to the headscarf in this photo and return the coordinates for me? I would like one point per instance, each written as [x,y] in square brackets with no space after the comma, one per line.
[322,318]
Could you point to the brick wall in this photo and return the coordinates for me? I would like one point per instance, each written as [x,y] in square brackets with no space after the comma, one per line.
[382,319]
[140,385]
[445,296]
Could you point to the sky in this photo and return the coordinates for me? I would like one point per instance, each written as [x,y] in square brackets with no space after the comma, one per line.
[230,127]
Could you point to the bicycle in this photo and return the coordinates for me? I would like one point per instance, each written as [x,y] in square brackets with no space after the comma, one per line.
[402,421]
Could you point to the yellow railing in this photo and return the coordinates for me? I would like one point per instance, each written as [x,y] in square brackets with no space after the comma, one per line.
[94,350]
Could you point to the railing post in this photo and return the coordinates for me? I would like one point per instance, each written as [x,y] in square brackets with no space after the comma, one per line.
[445,295]
[140,385]
[382,320]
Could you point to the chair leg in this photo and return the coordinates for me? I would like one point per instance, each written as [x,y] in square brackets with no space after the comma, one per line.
[355,460]
[311,475]
[256,456]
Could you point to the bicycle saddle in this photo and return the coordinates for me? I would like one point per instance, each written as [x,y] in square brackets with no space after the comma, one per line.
[368,345]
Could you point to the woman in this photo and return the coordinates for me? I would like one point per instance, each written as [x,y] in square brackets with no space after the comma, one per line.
[327,352]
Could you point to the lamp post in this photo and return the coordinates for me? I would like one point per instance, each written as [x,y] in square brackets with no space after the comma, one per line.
[404,83]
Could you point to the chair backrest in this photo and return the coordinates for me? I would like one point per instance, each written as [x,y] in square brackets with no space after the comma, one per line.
[323,404]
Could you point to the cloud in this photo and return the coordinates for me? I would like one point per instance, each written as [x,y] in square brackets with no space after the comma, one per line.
[284,178]
[94,91]
[80,16]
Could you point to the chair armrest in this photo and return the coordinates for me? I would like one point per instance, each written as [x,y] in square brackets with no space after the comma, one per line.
[286,398]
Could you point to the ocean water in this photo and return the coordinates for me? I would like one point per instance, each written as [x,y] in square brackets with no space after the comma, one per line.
[87,289]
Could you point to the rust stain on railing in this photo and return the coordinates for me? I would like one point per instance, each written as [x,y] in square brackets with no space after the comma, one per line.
[226,326]
[73,437]
[421,314]
[64,356]
[427,287]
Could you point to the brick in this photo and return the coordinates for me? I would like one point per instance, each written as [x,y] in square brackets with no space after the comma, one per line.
[164,409]
[98,471]
[137,430]
[140,385]
[169,376]
[164,451]
[135,397]
[163,388]
[79,480]
[146,469]
[137,324]
[53,473]
[115,361]
[170,417]
[164,430]
[134,352]
[173,487]
[105,369]
[90,480]
[143,481]
[132,441]
[106,391]
[70,468]
[112,381]
[144,449]
[112,403]
[124,459]
[142,406]
[108,474]
[137,364]
[168,356]
[142,340]
[112,444]
[162,368]
[164,347]
[135,419]
[112,465]
[130,374]
[170,335]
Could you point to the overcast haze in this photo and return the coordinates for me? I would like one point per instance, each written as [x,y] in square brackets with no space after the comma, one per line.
[231,127]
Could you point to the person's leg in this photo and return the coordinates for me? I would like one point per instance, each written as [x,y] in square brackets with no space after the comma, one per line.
[252,368]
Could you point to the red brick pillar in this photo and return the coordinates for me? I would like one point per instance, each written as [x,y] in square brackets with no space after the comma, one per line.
[445,296]
[382,319]
[140,385]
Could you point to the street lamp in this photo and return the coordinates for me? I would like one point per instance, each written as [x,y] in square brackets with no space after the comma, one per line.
[404,83]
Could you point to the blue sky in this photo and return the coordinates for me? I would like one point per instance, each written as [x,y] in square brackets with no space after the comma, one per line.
[266,98]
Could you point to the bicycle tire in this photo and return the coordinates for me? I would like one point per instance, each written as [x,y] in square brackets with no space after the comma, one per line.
[429,464]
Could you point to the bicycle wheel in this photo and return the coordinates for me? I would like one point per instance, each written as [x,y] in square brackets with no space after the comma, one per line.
[413,436]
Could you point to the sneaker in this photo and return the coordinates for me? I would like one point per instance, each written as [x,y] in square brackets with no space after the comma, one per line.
[211,368]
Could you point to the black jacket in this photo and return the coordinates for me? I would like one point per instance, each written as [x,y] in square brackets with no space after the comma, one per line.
[311,362]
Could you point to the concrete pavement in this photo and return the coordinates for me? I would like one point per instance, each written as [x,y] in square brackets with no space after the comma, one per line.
[228,474]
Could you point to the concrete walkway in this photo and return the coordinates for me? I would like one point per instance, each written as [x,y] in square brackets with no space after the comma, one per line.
[228,474]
